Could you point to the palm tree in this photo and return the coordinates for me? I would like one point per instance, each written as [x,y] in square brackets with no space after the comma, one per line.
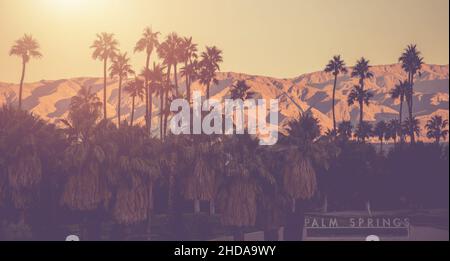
[400,91]
[188,56]
[412,127]
[345,130]
[156,83]
[241,90]
[26,48]
[122,68]
[105,48]
[148,43]
[299,176]
[135,89]
[364,131]
[22,167]
[380,131]
[412,62]
[358,94]
[85,110]
[361,71]
[335,66]
[436,128]
[135,172]
[394,129]
[245,180]
[170,51]
[209,65]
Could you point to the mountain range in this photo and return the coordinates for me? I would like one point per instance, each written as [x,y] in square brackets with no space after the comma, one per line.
[51,99]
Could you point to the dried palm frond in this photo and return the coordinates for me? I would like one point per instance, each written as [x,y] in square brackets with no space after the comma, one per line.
[299,178]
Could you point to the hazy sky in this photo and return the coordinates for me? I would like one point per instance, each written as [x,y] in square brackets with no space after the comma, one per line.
[281,38]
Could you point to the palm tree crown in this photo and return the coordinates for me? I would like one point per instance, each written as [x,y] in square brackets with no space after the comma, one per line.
[26,47]
[241,90]
[148,42]
[105,47]
[336,66]
[362,70]
[436,128]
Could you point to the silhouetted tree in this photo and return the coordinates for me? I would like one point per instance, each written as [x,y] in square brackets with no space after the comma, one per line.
[105,48]
[335,66]
[120,67]
[26,48]
[148,43]
[436,128]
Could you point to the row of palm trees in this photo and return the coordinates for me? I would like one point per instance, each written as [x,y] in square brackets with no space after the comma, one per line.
[174,51]
[411,62]
[385,131]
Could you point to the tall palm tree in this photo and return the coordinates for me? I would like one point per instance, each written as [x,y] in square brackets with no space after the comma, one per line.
[148,43]
[436,128]
[135,89]
[335,66]
[412,127]
[400,91]
[358,94]
[209,64]
[380,131]
[361,71]
[188,55]
[412,62]
[120,67]
[156,77]
[26,48]
[105,48]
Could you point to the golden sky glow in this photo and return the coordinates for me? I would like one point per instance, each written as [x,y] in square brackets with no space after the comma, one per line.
[282,38]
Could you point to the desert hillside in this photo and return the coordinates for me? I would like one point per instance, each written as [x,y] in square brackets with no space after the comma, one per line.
[50,99]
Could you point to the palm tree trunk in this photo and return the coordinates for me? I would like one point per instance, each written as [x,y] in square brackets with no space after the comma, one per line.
[150,111]
[334,101]
[147,64]
[401,117]
[361,116]
[207,91]
[21,84]
[176,80]
[104,88]
[238,235]
[188,84]
[167,105]
[212,207]
[294,205]
[196,206]
[120,99]
[132,109]
[149,210]
[161,114]
[413,137]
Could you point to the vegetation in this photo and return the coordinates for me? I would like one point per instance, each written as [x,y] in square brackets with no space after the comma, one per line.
[112,179]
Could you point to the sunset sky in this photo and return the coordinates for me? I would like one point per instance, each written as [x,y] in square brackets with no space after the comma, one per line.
[281,38]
